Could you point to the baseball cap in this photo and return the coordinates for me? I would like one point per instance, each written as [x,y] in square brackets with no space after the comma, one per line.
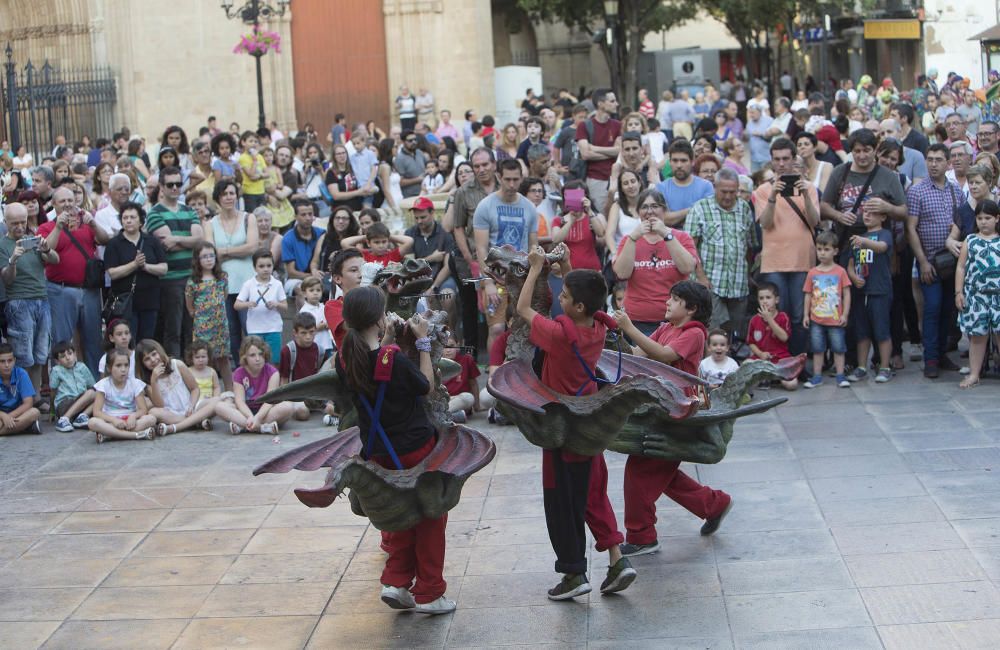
[422,203]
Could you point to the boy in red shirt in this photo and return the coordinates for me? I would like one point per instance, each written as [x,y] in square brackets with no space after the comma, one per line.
[345,271]
[577,335]
[463,389]
[679,342]
[770,329]
[379,244]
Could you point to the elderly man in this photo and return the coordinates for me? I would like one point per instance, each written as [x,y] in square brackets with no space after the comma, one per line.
[540,166]
[914,166]
[955,127]
[960,155]
[723,231]
[987,137]
[108,217]
[29,320]
[75,303]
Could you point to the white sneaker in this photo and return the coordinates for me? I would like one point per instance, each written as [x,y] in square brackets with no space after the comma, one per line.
[916,352]
[398,597]
[330,420]
[440,606]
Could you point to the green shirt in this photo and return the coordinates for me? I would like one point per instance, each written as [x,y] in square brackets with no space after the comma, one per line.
[723,237]
[179,223]
[29,284]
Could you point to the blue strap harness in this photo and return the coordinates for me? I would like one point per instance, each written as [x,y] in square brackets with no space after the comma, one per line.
[375,414]
[591,374]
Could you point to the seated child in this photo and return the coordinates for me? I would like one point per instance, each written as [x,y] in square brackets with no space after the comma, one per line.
[463,389]
[718,364]
[209,387]
[679,342]
[73,386]
[312,291]
[432,179]
[172,390]
[572,496]
[119,408]
[118,335]
[17,396]
[376,244]
[769,330]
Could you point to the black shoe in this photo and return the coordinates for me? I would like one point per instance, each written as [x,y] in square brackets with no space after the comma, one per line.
[571,586]
[620,576]
[632,550]
[712,525]
[944,363]
[34,428]
[931,369]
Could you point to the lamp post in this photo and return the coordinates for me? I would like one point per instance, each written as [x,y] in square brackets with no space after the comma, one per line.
[611,20]
[251,13]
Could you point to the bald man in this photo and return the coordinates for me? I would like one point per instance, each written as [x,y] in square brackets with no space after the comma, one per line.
[29,320]
[914,166]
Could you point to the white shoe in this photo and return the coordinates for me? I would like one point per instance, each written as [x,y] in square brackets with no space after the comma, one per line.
[440,606]
[398,597]
[330,420]
[916,352]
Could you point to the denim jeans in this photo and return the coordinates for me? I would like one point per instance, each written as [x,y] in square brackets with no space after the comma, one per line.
[939,313]
[827,337]
[792,302]
[77,308]
[237,326]
[29,328]
[175,321]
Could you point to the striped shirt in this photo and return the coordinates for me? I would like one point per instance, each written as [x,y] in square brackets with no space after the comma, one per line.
[724,237]
[934,208]
[179,223]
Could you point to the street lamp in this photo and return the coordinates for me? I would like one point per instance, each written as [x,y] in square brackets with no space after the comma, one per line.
[611,20]
[252,13]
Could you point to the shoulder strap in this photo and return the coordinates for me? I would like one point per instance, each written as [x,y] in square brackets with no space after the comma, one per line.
[69,233]
[292,355]
[589,125]
[800,215]
[864,188]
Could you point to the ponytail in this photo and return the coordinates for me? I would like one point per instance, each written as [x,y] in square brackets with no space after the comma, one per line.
[363,308]
[355,359]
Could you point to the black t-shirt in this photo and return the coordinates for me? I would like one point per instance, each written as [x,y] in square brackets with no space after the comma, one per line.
[438,240]
[917,140]
[121,251]
[874,268]
[403,416]
[345,183]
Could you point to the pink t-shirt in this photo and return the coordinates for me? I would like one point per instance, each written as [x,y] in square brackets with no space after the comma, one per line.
[254,386]
[653,274]
[788,245]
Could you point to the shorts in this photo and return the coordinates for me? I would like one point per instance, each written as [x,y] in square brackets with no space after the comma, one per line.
[273,340]
[871,318]
[822,335]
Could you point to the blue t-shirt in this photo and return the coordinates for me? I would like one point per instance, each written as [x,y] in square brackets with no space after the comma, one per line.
[508,223]
[225,167]
[874,267]
[294,248]
[682,198]
[12,394]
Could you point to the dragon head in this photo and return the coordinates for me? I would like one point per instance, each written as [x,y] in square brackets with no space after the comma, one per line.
[410,277]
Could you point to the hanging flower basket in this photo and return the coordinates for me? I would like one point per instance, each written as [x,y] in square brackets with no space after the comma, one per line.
[258,43]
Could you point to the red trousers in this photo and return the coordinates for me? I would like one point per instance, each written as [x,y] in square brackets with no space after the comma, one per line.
[600,515]
[416,556]
[646,479]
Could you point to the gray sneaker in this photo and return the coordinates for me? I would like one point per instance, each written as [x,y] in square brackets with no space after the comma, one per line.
[440,606]
[571,586]
[620,576]
[397,597]
[883,376]
[80,421]
[858,374]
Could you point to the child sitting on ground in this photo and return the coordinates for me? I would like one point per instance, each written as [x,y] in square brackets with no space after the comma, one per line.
[376,245]
[718,364]
[17,396]
[264,300]
[869,269]
[678,342]
[209,387]
[73,386]
[463,388]
[769,330]
[572,496]
[827,307]
[118,336]
[172,390]
[119,408]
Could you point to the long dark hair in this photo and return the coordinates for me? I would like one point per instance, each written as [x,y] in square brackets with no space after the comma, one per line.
[331,241]
[385,150]
[183,147]
[363,307]
[145,347]
[196,262]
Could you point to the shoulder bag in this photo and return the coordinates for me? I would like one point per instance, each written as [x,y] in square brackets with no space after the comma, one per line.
[120,306]
[944,262]
[93,270]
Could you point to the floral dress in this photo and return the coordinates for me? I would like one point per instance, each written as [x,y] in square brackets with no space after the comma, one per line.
[982,287]
[210,322]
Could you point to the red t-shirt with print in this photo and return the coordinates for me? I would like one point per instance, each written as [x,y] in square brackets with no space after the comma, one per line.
[761,335]
[653,274]
[392,255]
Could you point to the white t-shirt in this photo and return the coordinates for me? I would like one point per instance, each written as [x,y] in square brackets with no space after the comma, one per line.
[715,373]
[323,338]
[120,402]
[656,140]
[260,319]
[108,219]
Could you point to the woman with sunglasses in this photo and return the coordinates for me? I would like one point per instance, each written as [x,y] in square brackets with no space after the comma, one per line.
[651,259]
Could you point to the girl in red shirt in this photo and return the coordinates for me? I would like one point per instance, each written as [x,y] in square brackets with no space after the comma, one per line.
[582,230]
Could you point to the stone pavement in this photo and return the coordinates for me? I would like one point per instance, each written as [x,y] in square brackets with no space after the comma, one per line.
[864,518]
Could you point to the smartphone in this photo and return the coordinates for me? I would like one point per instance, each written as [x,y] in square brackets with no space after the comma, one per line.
[789,180]
[573,200]
[29,243]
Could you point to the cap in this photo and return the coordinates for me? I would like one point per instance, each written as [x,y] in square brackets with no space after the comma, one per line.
[422,203]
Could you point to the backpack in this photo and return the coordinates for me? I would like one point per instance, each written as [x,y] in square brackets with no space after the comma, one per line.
[293,353]
[577,165]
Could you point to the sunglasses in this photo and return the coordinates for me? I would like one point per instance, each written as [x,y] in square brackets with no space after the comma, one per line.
[174,185]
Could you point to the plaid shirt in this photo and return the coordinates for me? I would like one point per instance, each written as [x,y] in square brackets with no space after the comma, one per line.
[934,208]
[724,237]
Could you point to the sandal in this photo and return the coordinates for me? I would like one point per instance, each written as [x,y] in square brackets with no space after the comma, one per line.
[165,429]
[897,363]
[148,433]
[234,428]
[270,428]
[100,438]
[206,424]
[968,383]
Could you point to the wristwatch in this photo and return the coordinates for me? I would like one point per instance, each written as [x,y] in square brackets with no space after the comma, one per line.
[670,235]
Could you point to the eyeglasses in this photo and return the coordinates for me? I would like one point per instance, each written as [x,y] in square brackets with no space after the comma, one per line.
[174,185]
[649,207]
[207,256]
[536,190]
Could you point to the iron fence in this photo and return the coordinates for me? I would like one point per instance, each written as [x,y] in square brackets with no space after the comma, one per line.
[40,103]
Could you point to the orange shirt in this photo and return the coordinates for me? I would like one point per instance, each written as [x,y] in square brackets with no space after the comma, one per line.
[787,245]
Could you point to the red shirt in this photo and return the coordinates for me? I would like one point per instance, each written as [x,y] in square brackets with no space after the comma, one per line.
[71,264]
[652,277]
[604,136]
[581,244]
[561,369]
[498,351]
[306,362]
[760,334]
[392,255]
[688,341]
[334,312]
[460,383]
[647,110]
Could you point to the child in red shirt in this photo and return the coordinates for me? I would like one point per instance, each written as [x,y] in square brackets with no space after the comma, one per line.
[379,242]
[770,329]
[679,342]
[566,477]
[463,388]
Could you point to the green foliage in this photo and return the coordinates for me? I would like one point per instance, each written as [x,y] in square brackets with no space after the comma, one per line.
[647,15]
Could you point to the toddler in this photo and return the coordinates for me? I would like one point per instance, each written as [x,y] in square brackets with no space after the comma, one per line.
[718,364]
[312,290]
[769,330]
[827,306]
[432,179]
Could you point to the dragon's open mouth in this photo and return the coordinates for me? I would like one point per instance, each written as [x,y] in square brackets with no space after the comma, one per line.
[417,282]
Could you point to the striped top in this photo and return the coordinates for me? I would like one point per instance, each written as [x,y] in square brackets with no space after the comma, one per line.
[179,223]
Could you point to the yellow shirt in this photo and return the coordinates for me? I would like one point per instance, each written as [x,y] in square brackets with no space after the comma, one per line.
[246,163]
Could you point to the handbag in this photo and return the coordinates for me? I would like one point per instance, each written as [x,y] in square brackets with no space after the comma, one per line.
[120,306]
[93,270]
[944,262]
